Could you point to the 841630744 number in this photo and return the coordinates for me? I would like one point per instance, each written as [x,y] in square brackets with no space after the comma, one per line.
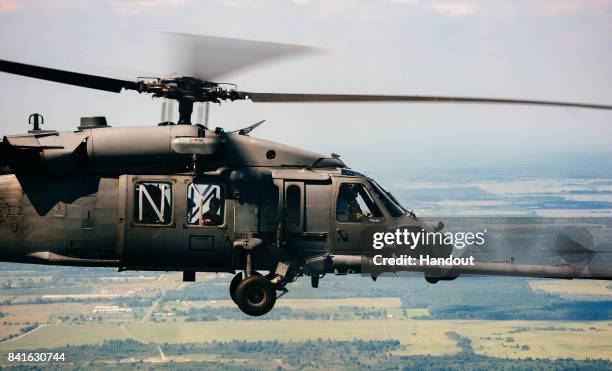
[36,357]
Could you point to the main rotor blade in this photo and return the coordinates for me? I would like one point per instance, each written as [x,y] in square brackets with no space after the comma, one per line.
[67,77]
[322,98]
[210,57]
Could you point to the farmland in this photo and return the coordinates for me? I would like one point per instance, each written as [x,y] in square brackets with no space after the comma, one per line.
[156,311]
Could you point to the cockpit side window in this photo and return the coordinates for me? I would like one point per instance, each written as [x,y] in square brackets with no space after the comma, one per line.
[354,204]
[392,205]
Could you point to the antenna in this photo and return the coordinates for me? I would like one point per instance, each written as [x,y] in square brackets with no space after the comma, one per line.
[36,120]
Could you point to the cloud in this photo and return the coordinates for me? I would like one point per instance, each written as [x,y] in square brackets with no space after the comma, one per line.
[130,7]
[461,9]
[9,6]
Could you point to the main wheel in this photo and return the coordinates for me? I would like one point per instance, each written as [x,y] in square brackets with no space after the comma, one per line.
[234,285]
[255,295]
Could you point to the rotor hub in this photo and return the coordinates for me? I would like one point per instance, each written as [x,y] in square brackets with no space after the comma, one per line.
[189,89]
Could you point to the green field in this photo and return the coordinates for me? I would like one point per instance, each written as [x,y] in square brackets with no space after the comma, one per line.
[575,289]
[41,313]
[158,309]
[579,340]
[58,335]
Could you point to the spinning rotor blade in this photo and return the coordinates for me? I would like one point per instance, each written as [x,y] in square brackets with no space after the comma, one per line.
[239,53]
[323,98]
[67,77]
[208,57]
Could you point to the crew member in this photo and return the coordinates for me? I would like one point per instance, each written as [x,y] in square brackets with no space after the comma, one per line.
[212,216]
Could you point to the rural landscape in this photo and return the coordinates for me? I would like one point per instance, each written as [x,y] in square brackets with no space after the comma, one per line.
[100,318]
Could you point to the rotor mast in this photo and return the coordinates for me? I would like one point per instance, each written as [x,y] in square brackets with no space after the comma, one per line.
[187,91]
[185,111]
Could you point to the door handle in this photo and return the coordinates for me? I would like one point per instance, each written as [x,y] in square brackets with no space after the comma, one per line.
[343,234]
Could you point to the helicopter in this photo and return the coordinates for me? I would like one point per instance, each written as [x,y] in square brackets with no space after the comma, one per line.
[189,198]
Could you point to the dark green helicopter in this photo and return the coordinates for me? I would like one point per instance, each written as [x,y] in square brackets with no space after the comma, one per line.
[182,197]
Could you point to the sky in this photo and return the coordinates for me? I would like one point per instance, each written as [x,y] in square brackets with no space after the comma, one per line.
[557,50]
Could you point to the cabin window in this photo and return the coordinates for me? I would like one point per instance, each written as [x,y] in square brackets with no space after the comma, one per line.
[293,207]
[355,204]
[153,203]
[205,203]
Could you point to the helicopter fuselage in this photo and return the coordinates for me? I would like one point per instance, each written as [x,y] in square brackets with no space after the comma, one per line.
[185,198]
[142,199]
[119,221]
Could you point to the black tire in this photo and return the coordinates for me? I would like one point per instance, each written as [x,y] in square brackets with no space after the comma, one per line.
[234,285]
[255,295]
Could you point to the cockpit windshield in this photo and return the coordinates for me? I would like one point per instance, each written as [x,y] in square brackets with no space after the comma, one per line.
[392,205]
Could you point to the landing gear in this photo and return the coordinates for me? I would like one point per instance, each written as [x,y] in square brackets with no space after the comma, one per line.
[255,295]
[234,285]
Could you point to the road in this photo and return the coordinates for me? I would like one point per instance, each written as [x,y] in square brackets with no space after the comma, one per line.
[27,333]
[145,318]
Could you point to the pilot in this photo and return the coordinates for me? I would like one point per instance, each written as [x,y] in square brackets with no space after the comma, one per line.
[212,217]
[347,208]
